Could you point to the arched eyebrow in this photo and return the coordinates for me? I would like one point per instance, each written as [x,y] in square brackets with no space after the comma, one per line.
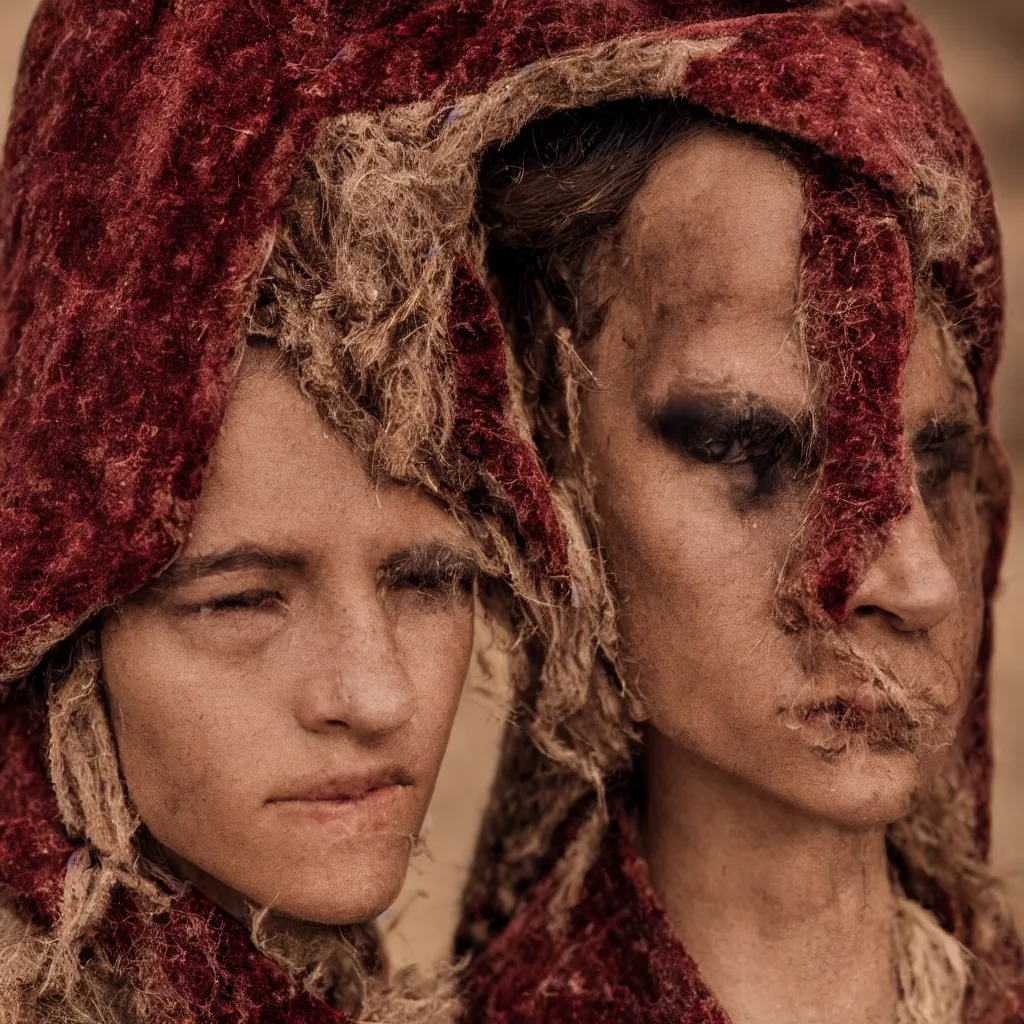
[218,563]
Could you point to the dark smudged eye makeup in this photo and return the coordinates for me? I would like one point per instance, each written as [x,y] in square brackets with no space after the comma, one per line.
[943,450]
[747,435]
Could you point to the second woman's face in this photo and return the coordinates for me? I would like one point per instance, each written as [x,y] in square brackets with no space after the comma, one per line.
[696,431]
[282,696]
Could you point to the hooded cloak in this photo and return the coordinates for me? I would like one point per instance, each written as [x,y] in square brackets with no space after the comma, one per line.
[898,210]
[166,167]
[179,178]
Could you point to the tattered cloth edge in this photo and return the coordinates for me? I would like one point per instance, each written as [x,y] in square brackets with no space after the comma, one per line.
[430,228]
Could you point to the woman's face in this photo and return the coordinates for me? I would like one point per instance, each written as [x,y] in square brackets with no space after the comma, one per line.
[695,429]
[282,696]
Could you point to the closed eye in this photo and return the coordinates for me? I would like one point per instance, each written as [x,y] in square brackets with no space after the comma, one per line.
[244,601]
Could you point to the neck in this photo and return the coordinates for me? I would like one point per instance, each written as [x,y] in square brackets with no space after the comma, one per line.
[789,917]
[228,899]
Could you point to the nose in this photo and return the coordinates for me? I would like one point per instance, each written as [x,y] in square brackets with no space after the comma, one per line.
[909,583]
[355,679]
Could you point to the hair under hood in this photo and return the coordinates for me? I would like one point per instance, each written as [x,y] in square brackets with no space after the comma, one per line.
[158,152]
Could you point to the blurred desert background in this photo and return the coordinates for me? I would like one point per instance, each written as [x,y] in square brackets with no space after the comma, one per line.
[982,43]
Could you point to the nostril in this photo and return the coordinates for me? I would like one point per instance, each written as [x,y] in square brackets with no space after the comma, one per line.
[862,611]
[880,614]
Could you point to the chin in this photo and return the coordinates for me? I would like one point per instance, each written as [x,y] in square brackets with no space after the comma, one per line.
[860,787]
[345,886]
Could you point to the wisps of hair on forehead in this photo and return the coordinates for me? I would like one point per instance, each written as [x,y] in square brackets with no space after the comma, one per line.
[551,197]
[554,198]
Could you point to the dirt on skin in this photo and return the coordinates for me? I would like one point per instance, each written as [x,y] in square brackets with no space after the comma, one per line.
[982,44]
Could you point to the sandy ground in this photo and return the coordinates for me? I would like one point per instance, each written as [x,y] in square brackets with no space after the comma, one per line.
[982,44]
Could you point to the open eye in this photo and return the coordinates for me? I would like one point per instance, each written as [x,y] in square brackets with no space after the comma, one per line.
[747,436]
[722,446]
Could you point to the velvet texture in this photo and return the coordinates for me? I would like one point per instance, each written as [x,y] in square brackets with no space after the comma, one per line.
[617,961]
[139,129]
[150,147]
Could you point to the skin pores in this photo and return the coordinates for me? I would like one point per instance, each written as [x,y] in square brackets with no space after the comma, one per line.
[282,697]
[698,433]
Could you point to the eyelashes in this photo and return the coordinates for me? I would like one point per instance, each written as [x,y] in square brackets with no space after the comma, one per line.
[245,601]
[761,440]
[774,449]
[943,451]
[442,583]
[433,571]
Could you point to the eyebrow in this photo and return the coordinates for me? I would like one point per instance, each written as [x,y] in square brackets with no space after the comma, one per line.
[431,556]
[435,556]
[219,563]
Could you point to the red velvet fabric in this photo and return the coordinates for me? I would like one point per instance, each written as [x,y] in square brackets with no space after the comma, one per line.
[139,128]
[478,346]
[862,334]
[618,961]
[152,143]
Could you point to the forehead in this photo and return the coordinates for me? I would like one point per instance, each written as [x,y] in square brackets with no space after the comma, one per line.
[719,221]
[710,283]
[709,261]
[278,469]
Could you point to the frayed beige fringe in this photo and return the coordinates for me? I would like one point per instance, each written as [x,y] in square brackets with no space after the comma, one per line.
[44,978]
[355,293]
[931,968]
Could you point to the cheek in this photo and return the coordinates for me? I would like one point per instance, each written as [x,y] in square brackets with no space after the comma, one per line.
[435,648]
[178,737]
[963,539]
[695,582]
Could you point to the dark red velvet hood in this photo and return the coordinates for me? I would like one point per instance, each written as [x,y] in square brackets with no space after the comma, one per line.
[151,148]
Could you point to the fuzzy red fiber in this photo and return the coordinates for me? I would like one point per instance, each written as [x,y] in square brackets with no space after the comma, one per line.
[152,143]
[618,961]
[859,323]
[478,347]
[206,956]
[140,128]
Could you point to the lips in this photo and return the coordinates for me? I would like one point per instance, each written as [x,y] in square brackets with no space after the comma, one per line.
[343,789]
[852,711]
[865,716]
[354,803]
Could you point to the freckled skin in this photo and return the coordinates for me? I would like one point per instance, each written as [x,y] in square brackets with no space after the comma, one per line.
[769,857]
[220,710]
